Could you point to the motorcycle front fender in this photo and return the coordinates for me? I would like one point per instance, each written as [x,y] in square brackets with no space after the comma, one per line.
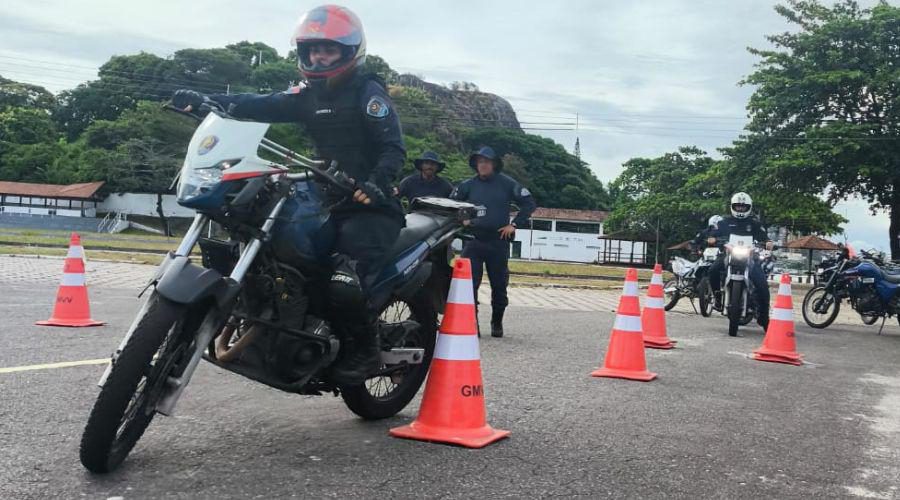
[183,282]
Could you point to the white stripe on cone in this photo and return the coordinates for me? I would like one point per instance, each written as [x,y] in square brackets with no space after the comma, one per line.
[76,252]
[461,291]
[655,303]
[630,289]
[457,348]
[627,323]
[784,289]
[656,279]
[782,314]
[70,279]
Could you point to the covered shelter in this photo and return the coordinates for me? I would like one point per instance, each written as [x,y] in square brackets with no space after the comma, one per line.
[812,243]
[630,247]
[72,200]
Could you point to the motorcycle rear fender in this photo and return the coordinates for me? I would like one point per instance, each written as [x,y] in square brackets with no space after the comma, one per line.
[183,282]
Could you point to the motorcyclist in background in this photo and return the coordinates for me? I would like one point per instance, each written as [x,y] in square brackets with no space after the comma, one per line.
[700,241]
[742,223]
[351,119]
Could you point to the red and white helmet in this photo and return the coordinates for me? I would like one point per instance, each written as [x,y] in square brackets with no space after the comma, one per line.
[335,24]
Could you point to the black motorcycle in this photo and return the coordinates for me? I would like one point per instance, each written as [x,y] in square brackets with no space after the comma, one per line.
[254,304]
[741,255]
[691,281]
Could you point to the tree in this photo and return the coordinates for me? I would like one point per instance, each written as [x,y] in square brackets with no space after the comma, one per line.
[380,67]
[824,116]
[26,126]
[24,95]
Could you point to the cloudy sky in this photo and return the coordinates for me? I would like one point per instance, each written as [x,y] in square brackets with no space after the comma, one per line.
[643,77]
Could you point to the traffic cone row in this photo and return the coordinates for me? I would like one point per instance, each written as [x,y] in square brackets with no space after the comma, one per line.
[72,306]
[780,345]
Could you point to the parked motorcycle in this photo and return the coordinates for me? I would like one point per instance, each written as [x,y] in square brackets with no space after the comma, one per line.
[255,305]
[691,281]
[870,284]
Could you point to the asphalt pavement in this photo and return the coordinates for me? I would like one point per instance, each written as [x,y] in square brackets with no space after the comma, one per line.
[715,424]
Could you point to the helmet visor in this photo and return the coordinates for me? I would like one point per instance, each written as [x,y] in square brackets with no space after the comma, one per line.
[740,208]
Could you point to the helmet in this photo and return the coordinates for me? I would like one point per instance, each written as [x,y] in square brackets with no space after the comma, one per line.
[741,205]
[335,24]
[486,152]
[432,157]
[714,220]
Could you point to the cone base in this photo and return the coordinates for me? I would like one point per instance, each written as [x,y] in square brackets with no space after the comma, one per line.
[75,323]
[658,343]
[775,358]
[469,438]
[643,376]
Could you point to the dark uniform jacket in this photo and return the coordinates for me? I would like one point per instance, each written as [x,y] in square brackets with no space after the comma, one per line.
[495,193]
[414,186]
[741,227]
[354,124]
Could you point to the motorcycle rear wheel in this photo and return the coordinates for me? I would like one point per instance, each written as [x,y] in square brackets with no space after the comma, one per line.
[815,298]
[127,402]
[384,396]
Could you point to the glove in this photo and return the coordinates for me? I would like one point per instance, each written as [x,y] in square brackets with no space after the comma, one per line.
[183,98]
[375,193]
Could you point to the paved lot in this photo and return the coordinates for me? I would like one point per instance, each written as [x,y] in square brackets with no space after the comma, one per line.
[714,425]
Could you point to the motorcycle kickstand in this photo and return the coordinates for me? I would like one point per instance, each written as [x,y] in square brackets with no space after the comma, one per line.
[883,319]
[694,307]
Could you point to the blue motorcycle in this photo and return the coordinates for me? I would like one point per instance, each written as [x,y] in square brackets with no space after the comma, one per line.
[253,303]
[870,285]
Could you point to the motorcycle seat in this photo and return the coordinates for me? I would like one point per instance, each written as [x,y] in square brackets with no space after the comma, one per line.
[418,228]
[892,278]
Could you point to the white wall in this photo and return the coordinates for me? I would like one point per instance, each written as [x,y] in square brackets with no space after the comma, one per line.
[143,204]
[548,245]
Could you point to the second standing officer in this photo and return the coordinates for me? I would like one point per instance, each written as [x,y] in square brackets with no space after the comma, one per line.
[493,232]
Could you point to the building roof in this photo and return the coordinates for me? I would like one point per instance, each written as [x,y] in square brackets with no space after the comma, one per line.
[84,191]
[569,214]
[812,242]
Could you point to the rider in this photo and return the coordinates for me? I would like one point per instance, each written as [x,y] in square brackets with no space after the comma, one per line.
[742,223]
[351,119]
[700,241]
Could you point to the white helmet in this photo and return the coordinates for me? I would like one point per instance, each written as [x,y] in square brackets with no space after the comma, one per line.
[741,205]
[714,220]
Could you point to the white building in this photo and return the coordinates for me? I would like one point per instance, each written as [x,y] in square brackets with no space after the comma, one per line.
[561,234]
[27,198]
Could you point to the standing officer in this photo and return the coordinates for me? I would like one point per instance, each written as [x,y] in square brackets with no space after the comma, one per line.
[493,232]
[426,182]
[352,120]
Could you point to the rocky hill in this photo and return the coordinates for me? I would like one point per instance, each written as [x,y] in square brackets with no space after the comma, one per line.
[469,108]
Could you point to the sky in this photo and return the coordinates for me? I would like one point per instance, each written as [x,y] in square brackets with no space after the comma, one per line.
[643,77]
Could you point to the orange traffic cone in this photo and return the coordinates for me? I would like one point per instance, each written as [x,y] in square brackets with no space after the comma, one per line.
[72,307]
[780,346]
[625,356]
[653,318]
[452,408]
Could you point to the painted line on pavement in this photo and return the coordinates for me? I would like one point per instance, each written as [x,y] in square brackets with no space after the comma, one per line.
[50,366]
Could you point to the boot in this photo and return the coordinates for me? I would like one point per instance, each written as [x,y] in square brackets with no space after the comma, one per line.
[497,322]
[362,360]
[717,300]
[763,321]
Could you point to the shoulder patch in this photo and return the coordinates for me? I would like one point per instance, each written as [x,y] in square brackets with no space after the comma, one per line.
[525,192]
[377,107]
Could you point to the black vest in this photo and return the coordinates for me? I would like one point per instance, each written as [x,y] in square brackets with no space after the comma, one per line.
[336,122]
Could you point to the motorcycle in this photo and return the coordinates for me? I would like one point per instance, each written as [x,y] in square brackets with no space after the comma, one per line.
[739,292]
[871,286]
[691,281]
[254,304]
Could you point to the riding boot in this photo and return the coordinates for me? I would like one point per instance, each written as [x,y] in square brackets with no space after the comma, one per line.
[717,300]
[497,321]
[362,358]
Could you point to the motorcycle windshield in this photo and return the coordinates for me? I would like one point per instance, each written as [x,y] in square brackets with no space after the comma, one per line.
[221,149]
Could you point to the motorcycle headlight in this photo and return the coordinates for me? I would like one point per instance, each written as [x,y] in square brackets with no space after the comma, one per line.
[742,252]
[195,181]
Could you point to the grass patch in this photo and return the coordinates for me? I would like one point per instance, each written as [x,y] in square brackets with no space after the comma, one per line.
[565,269]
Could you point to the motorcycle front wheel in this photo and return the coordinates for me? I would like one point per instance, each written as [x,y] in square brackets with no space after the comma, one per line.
[127,401]
[670,289]
[735,307]
[705,297]
[385,395]
[820,307]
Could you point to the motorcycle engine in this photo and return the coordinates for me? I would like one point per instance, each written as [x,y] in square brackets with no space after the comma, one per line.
[865,297]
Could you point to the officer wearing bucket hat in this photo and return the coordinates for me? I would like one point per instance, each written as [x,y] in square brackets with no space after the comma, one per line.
[493,232]
[426,182]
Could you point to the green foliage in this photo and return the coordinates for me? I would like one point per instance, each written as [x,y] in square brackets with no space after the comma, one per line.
[824,112]
[380,67]
[15,94]
[23,125]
